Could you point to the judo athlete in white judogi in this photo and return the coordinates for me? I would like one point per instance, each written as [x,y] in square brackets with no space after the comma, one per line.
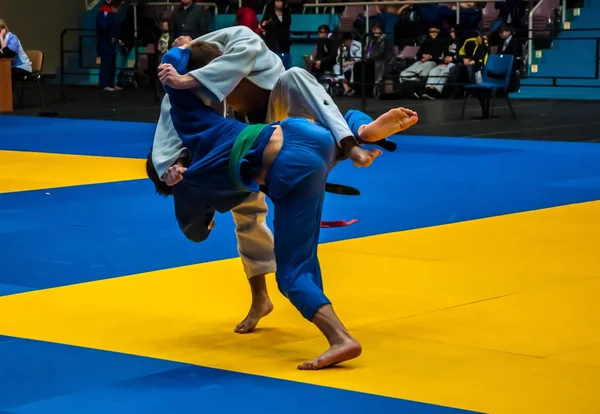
[251,79]
[289,161]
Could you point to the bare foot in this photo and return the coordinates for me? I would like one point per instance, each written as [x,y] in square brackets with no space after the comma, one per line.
[258,310]
[362,157]
[336,354]
[390,123]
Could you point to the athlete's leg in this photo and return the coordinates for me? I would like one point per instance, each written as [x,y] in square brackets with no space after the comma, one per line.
[393,121]
[298,94]
[296,183]
[255,247]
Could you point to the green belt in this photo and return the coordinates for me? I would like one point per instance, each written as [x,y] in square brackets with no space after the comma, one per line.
[244,141]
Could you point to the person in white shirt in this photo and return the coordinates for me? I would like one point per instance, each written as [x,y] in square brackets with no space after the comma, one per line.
[349,53]
[11,48]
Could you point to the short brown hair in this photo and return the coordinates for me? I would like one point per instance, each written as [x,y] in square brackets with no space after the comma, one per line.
[202,53]
[3,25]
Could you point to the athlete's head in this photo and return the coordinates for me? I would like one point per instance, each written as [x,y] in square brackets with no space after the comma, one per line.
[161,187]
[201,54]
[246,97]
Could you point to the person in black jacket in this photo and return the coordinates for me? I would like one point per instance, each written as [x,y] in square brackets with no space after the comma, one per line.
[430,54]
[445,71]
[378,50]
[511,46]
[327,49]
[189,19]
[473,55]
[276,23]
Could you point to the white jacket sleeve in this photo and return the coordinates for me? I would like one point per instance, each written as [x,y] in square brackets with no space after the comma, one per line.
[167,146]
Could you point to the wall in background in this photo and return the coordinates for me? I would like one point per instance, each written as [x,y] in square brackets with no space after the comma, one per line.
[38,23]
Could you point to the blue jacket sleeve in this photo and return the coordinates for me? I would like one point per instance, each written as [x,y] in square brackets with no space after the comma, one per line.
[179,58]
[182,99]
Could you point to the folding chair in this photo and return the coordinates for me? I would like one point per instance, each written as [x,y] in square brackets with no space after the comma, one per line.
[37,65]
[495,78]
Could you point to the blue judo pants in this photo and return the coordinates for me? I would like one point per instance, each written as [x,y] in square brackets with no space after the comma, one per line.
[108,64]
[296,185]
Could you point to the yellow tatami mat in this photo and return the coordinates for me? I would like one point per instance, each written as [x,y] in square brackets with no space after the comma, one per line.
[25,171]
[493,315]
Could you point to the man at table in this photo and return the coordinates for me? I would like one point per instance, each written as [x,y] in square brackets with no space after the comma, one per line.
[11,48]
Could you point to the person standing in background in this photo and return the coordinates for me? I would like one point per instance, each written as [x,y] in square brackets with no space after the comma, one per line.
[276,23]
[246,16]
[189,19]
[11,48]
[163,41]
[107,43]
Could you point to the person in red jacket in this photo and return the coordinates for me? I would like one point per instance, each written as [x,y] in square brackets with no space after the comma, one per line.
[246,16]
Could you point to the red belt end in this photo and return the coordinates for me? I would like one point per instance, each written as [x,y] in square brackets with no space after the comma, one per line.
[337,223]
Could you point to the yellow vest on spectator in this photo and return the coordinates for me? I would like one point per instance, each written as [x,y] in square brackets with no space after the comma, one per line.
[473,41]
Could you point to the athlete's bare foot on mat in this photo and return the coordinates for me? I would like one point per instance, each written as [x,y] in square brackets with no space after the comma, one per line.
[337,354]
[342,346]
[258,310]
[261,305]
[390,123]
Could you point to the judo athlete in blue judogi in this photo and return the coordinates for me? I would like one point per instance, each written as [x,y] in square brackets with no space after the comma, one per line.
[240,73]
[289,161]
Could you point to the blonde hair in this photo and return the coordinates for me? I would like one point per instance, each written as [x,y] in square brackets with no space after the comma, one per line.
[3,25]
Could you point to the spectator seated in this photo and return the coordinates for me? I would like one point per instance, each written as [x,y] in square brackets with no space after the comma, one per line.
[430,54]
[446,70]
[473,56]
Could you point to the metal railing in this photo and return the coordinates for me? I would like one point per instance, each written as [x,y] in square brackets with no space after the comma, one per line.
[172,5]
[365,62]
[176,4]
[64,52]
[530,27]
[530,33]
[309,37]
[88,34]
[596,62]
[396,3]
